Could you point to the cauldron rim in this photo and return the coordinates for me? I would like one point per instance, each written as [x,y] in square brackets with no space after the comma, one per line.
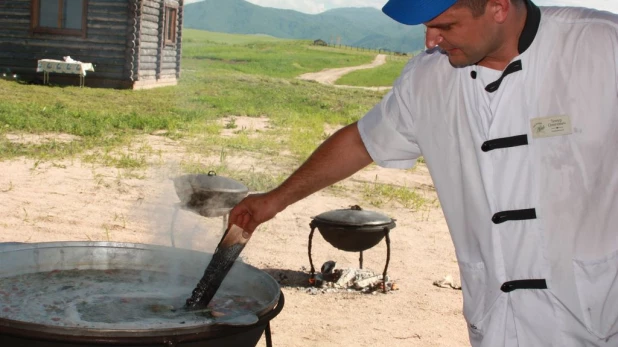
[195,333]
[354,227]
[204,330]
[354,216]
[210,182]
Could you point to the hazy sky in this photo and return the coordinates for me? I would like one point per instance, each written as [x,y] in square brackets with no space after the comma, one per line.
[317,6]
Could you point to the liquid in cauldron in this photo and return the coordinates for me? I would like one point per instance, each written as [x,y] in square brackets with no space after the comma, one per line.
[111,299]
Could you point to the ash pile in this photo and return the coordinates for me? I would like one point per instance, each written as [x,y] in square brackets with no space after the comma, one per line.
[333,280]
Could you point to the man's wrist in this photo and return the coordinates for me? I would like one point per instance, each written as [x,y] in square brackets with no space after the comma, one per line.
[280,198]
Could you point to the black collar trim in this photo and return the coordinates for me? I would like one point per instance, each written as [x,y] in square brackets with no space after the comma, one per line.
[531,27]
[513,67]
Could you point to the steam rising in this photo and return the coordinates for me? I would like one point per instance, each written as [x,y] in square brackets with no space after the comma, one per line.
[171,222]
[208,196]
[177,219]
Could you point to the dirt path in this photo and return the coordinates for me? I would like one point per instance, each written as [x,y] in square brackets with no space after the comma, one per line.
[330,76]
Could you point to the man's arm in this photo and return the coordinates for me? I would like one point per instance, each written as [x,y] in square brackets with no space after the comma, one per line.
[340,156]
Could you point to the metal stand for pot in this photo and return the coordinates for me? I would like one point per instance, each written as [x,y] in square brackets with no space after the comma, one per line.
[269,316]
[388,254]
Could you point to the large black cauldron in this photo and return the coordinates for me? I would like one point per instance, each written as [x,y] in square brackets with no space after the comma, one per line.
[243,279]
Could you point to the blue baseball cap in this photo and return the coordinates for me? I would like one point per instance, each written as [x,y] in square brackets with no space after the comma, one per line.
[413,12]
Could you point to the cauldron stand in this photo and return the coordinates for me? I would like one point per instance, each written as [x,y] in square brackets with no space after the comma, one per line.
[386,231]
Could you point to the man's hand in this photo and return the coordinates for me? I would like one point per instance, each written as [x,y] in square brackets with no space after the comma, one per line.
[254,210]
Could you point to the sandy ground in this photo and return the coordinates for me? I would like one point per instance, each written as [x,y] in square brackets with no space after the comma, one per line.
[73,201]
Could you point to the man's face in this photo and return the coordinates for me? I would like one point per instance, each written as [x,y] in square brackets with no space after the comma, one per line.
[466,39]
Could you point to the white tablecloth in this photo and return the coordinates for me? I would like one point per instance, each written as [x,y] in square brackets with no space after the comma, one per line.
[60,66]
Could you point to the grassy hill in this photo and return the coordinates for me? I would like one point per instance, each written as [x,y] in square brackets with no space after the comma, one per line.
[359,27]
[265,56]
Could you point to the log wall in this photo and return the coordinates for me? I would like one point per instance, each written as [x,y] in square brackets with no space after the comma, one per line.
[123,40]
[104,45]
[158,62]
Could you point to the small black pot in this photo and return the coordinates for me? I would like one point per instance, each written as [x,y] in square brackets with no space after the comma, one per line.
[208,194]
[353,230]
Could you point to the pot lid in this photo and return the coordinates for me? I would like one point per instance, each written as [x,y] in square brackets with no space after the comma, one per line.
[200,183]
[354,216]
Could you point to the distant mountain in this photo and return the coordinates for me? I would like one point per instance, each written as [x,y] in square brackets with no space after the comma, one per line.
[359,27]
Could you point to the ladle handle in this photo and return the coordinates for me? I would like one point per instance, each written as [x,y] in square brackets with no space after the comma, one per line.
[228,250]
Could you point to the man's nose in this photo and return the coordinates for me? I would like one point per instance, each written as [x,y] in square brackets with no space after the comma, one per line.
[432,38]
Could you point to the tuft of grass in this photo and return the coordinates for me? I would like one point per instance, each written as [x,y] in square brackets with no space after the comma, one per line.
[120,158]
[26,218]
[379,194]
[231,124]
[129,161]
[107,233]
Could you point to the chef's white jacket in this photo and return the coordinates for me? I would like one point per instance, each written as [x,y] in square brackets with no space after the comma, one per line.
[525,163]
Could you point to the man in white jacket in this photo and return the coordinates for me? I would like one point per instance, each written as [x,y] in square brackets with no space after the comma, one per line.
[515,109]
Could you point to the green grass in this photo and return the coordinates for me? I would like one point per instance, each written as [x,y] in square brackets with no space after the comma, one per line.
[223,75]
[384,75]
[379,194]
[274,58]
[208,90]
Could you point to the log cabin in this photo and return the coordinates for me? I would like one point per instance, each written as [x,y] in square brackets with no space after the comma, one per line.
[133,44]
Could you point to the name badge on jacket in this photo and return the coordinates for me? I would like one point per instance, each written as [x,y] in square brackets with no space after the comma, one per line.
[551,126]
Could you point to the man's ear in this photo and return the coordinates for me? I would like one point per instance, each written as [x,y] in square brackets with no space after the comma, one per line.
[499,9]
